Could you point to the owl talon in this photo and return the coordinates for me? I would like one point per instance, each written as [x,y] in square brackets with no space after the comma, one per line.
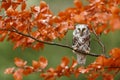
[87,51]
[75,48]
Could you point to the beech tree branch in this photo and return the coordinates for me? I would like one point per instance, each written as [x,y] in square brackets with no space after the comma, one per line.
[51,43]
[99,41]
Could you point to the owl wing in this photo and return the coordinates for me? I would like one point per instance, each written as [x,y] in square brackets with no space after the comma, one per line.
[75,42]
[81,58]
[87,44]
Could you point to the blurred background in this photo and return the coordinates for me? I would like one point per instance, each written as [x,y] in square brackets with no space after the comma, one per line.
[54,54]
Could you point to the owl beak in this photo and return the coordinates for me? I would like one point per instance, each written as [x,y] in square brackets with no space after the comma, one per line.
[81,33]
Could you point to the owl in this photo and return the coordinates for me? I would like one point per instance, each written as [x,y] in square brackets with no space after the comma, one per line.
[81,42]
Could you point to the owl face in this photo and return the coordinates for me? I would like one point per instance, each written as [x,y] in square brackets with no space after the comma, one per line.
[82,29]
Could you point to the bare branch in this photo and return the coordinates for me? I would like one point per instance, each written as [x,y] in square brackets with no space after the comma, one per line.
[50,43]
[99,41]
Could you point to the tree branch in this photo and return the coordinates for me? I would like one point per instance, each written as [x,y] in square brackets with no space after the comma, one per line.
[50,43]
[99,41]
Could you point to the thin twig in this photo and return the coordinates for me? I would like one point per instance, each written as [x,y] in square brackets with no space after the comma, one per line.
[99,41]
[51,43]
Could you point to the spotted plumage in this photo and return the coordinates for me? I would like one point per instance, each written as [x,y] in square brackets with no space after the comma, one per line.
[81,42]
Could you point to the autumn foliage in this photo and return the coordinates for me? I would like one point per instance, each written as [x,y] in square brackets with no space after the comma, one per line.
[37,26]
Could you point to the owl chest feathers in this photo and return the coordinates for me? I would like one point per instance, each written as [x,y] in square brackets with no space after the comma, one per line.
[81,39]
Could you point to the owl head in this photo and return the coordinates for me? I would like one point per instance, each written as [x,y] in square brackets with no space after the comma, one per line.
[81,29]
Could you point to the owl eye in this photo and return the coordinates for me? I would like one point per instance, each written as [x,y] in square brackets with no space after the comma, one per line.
[83,29]
[78,28]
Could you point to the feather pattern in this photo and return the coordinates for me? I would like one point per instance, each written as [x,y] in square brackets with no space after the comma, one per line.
[81,42]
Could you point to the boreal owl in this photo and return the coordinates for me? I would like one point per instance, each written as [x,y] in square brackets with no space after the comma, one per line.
[81,42]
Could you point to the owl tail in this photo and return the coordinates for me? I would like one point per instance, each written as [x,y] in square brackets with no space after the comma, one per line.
[81,59]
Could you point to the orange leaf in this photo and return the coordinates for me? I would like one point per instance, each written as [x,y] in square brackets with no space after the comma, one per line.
[27,70]
[79,18]
[62,28]
[74,63]
[115,53]
[14,5]
[11,12]
[76,73]
[35,64]
[3,35]
[5,5]
[107,76]
[65,62]
[9,70]
[19,62]
[43,4]
[18,74]
[17,44]
[52,35]
[115,10]
[38,46]
[35,9]
[50,75]
[35,34]
[1,24]
[23,6]
[43,62]
[20,1]
[78,3]
[93,76]
[43,7]
[51,70]
[100,29]
[115,23]
[82,70]
[101,60]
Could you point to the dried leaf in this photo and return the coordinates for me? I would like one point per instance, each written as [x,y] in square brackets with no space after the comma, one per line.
[38,46]
[19,62]
[100,29]
[23,6]
[115,10]
[74,63]
[9,70]
[65,62]
[35,64]
[93,76]
[83,70]
[78,4]
[115,23]
[101,60]
[79,18]
[18,74]
[115,53]
[35,9]
[3,35]
[43,62]
[5,5]
[107,76]
[20,1]
[43,7]
[15,5]
[28,70]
